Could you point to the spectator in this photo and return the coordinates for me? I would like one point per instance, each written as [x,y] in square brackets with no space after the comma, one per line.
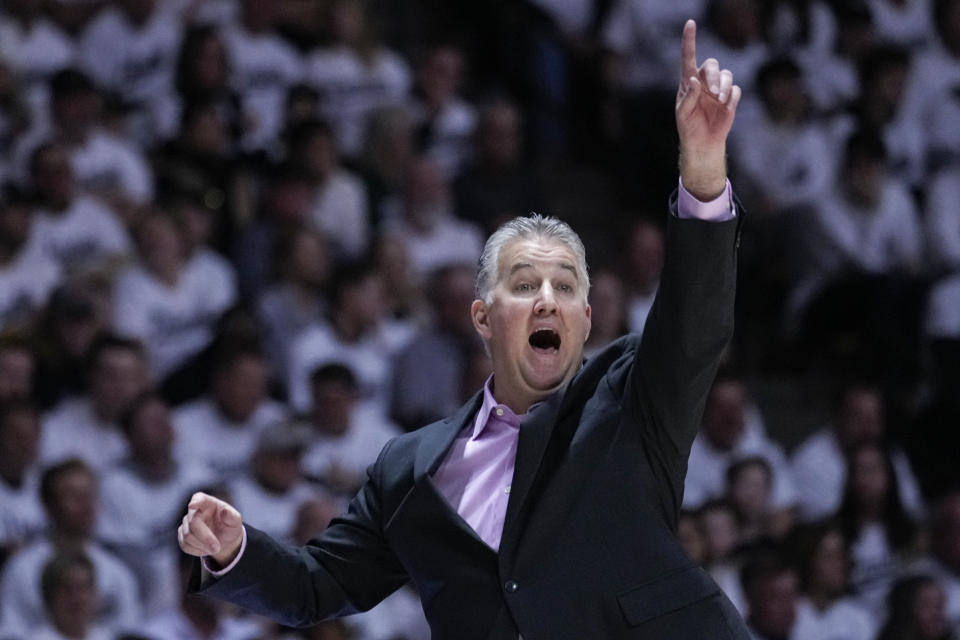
[295,300]
[428,226]
[445,122]
[880,534]
[819,462]
[359,334]
[771,589]
[387,152]
[18,366]
[142,495]
[749,491]
[733,34]
[168,300]
[916,608]
[131,49]
[355,74]
[941,220]
[220,429]
[339,200]
[943,562]
[77,231]
[608,319]
[496,184]
[69,587]
[428,373]
[347,436]
[274,488]
[824,609]
[21,514]
[69,494]
[643,262]
[27,274]
[691,537]
[87,426]
[721,537]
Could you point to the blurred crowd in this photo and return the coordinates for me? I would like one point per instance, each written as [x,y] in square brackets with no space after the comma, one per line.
[237,248]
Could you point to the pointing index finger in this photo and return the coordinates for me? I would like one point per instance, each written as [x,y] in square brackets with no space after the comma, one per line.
[689,51]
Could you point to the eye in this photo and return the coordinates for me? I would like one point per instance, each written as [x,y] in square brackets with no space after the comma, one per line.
[565,288]
[524,287]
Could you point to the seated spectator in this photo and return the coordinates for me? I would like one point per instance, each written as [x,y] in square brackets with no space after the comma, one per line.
[295,300]
[608,317]
[131,49]
[87,426]
[496,184]
[916,611]
[359,334]
[819,462]
[355,74]
[643,262]
[943,561]
[445,122]
[880,534]
[348,436]
[69,495]
[338,206]
[273,489]
[428,373]
[78,232]
[824,609]
[732,431]
[264,66]
[18,366]
[219,430]
[904,22]
[69,587]
[196,223]
[428,225]
[142,495]
[721,537]
[27,274]
[21,514]
[771,587]
[749,491]
[732,34]
[168,300]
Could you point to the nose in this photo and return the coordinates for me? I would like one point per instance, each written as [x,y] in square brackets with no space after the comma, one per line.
[546,303]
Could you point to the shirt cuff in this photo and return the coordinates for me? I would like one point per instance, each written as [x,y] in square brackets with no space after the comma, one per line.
[720,209]
[217,573]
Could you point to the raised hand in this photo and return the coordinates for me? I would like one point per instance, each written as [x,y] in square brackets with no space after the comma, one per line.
[211,528]
[706,105]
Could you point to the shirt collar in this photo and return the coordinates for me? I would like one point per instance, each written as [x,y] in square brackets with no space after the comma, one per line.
[490,405]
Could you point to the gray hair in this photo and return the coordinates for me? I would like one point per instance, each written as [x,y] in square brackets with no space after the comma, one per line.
[523,228]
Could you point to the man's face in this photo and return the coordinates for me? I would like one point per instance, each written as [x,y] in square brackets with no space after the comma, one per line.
[724,419]
[536,322]
[74,505]
[119,376]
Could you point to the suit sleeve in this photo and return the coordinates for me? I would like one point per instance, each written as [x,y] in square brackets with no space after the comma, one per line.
[689,325]
[350,568]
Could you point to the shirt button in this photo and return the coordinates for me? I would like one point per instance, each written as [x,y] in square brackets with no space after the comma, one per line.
[511,587]
[499,411]
[507,491]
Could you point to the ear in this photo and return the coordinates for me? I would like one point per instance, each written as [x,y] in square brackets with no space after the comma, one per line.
[481,319]
[589,323]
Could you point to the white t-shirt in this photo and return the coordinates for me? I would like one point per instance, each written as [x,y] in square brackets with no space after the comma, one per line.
[820,472]
[875,567]
[25,283]
[205,436]
[273,513]
[450,144]
[72,428]
[174,323]
[450,241]
[350,89]
[909,26]
[35,53]
[107,164]
[84,236]
[352,452]
[942,219]
[21,603]
[21,515]
[339,210]
[400,614]
[844,619]
[369,357]
[47,632]
[943,309]
[173,625]
[264,68]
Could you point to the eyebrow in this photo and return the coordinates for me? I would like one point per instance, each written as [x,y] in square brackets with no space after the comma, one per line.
[563,265]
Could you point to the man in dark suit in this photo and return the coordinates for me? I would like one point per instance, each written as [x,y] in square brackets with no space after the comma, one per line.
[545,508]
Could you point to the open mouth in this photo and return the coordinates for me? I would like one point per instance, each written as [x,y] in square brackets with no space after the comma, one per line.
[545,340]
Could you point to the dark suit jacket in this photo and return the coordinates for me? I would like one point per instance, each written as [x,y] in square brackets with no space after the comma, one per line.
[588,547]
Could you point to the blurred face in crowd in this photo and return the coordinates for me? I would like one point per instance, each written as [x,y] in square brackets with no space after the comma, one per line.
[53,177]
[829,565]
[645,256]
[318,155]
[19,442]
[333,403]
[73,602]
[15,221]
[750,490]
[929,612]
[138,11]
[608,305]
[73,506]
[860,417]
[453,301]
[195,223]
[241,387]
[309,259]
[724,418]
[363,302]
[868,477]
[278,471]
[864,178]
[720,533]
[427,195]
[210,68]
[784,98]
[348,22]
[161,245]
[206,132]
[17,365]
[289,201]
[499,135]
[536,321]
[118,377]
[946,536]
[773,605]
[151,433]
[691,539]
[738,23]
[77,112]
[439,75]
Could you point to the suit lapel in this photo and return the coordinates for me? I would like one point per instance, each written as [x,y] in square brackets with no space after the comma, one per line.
[440,435]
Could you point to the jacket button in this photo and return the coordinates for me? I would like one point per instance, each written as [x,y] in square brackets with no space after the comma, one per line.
[511,586]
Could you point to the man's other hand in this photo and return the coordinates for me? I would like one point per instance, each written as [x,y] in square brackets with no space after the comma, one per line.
[211,528]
